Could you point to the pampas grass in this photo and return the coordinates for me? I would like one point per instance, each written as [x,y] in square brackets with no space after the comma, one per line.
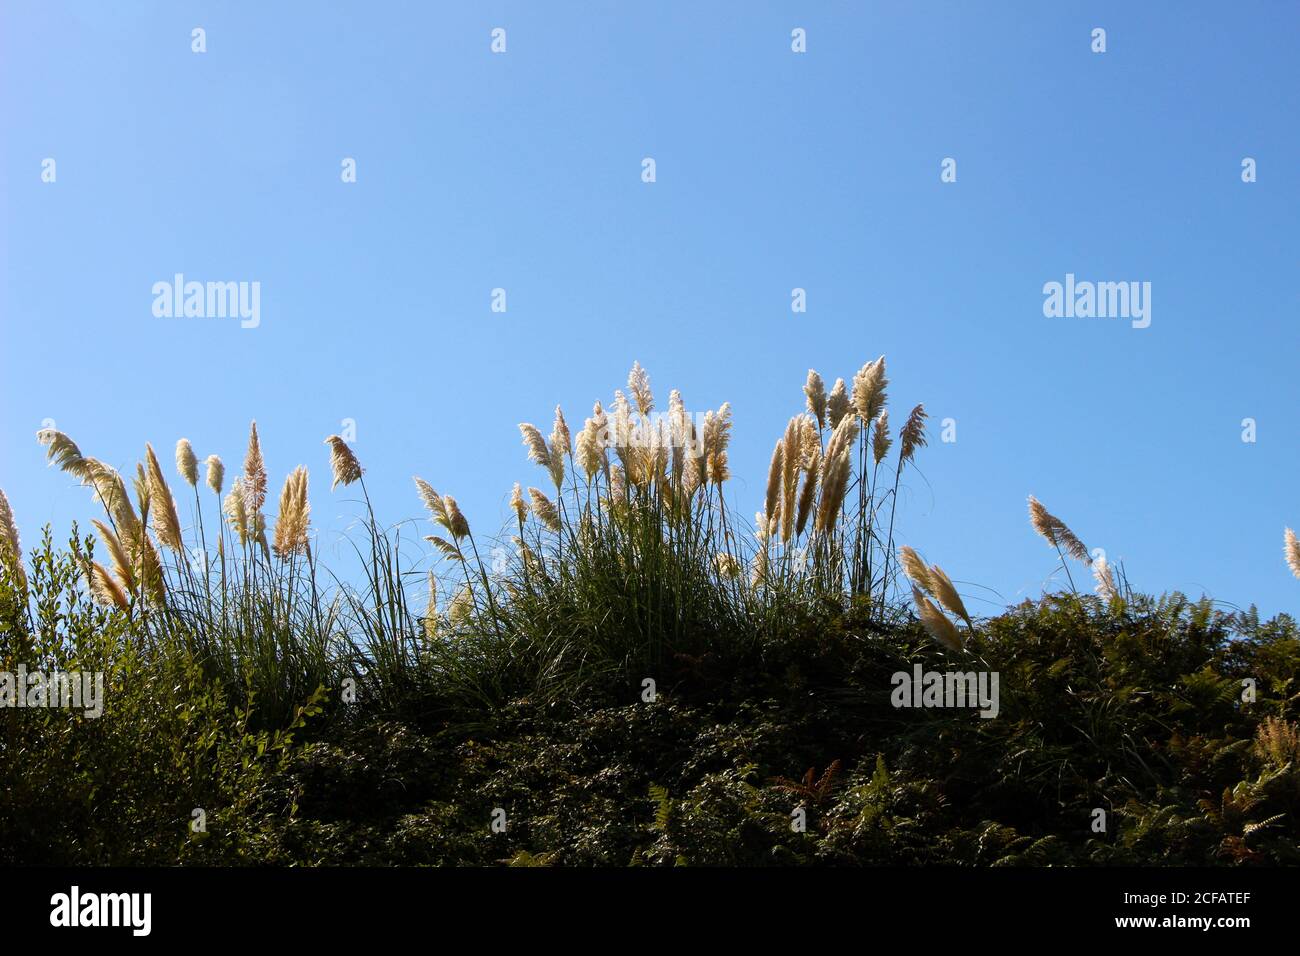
[632,556]
[216,474]
[1291,551]
[187,466]
[166,521]
[11,548]
[815,392]
[345,468]
[935,623]
[254,473]
[294,518]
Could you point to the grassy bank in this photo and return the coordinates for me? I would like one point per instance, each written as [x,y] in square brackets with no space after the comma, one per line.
[632,674]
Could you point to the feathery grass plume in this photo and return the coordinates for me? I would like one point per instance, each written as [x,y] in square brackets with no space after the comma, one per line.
[444,511]
[1105,579]
[236,509]
[536,445]
[254,473]
[216,474]
[869,390]
[1291,550]
[104,589]
[915,569]
[545,509]
[119,554]
[63,451]
[678,432]
[617,487]
[561,445]
[935,623]
[143,492]
[430,620]
[717,436]
[719,468]
[810,441]
[186,464]
[843,438]
[9,541]
[343,464]
[941,587]
[727,564]
[912,435]
[835,472]
[561,440]
[835,478]
[445,546]
[456,522]
[110,491]
[1055,531]
[294,518]
[772,508]
[151,571]
[432,501]
[462,606]
[591,444]
[620,427]
[166,522]
[759,568]
[638,383]
[837,405]
[517,503]
[815,390]
[808,495]
[791,459]
[880,440]
[9,529]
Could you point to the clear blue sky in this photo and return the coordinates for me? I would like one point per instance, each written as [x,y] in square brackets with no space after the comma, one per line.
[774,171]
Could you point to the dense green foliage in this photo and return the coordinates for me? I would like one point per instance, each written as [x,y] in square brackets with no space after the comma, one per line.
[1133,706]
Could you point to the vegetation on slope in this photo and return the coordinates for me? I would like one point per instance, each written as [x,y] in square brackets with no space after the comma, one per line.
[640,677]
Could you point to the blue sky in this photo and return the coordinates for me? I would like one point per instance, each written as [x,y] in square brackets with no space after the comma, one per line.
[775,170]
